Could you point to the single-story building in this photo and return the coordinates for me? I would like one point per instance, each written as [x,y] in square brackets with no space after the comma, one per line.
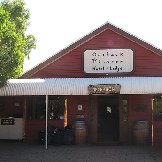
[109,79]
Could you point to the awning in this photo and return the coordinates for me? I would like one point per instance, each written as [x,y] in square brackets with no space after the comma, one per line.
[79,86]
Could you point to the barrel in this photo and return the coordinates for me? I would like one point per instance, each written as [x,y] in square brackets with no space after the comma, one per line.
[141,132]
[80,132]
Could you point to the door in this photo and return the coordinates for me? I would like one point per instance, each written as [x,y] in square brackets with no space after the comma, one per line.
[108,118]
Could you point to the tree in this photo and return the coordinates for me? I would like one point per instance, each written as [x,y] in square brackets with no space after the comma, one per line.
[15,44]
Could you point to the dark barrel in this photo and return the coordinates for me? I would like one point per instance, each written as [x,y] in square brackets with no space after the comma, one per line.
[141,132]
[80,132]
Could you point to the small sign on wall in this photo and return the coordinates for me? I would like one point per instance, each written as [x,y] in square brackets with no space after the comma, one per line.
[108,61]
[7,121]
[80,108]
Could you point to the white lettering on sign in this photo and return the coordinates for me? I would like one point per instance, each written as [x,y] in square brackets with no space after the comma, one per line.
[108,61]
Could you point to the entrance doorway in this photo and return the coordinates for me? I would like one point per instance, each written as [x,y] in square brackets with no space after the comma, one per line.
[108,118]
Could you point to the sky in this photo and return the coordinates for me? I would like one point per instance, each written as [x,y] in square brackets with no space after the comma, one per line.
[58,23]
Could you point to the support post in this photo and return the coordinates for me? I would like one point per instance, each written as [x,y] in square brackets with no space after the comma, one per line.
[46,144]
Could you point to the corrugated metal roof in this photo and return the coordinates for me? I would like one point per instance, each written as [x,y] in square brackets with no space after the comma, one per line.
[79,86]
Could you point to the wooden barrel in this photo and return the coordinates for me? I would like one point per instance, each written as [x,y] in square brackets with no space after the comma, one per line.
[80,132]
[141,132]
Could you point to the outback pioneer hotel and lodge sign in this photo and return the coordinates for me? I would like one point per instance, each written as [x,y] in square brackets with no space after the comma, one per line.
[109,79]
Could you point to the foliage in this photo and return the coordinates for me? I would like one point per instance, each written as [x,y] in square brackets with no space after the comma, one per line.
[15,44]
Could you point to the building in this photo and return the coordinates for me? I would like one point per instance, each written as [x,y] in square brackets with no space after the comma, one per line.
[109,78]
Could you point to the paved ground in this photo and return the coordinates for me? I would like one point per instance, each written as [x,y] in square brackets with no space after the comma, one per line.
[21,152]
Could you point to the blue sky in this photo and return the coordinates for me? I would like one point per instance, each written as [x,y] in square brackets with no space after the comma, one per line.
[58,23]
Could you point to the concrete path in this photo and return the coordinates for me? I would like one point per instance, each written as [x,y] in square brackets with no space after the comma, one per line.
[13,151]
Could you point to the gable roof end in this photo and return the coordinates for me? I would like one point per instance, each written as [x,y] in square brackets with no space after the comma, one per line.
[87,38]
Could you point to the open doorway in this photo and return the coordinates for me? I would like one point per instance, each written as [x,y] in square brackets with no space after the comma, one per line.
[108,118]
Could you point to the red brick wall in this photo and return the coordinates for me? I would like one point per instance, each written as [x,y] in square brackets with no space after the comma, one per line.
[157,133]
[33,127]
[13,107]
[74,113]
[72,108]
[137,115]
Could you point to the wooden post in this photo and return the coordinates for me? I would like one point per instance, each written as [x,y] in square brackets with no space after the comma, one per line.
[46,144]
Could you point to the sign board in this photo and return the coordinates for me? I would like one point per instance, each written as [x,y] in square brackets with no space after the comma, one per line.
[108,61]
[104,89]
[7,121]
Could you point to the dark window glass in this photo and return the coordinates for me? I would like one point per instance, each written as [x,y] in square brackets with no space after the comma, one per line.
[55,107]
[157,109]
[37,107]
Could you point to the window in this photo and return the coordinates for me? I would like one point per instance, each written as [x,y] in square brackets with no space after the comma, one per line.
[55,107]
[37,107]
[157,108]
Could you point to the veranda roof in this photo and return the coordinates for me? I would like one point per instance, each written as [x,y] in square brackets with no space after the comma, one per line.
[79,86]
